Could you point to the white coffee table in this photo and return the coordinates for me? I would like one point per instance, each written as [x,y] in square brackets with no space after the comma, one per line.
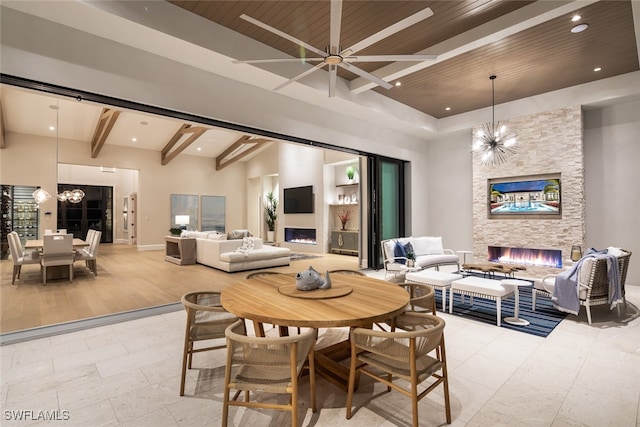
[516,319]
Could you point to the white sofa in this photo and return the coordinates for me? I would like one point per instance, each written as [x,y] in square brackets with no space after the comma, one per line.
[428,251]
[214,250]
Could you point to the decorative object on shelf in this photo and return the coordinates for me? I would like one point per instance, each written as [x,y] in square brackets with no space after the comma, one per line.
[310,279]
[354,198]
[351,172]
[271,215]
[492,142]
[345,215]
[175,231]
[576,253]
[341,198]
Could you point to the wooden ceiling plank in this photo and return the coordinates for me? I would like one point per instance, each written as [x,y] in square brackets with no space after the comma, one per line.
[106,122]
[196,132]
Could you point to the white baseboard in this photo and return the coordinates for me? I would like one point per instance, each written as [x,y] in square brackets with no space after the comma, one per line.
[151,248]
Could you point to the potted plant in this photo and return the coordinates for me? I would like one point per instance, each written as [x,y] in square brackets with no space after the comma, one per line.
[175,231]
[271,215]
[411,259]
[351,172]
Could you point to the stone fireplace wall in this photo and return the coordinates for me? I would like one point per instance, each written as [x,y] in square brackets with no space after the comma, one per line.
[548,142]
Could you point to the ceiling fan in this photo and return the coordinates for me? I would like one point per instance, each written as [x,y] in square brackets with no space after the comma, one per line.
[334,56]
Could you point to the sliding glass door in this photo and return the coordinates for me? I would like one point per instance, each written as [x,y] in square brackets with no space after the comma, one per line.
[387,197]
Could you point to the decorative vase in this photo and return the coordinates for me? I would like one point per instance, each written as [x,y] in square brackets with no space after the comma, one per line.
[576,253]
[271,235]
[410,263]
[344,225]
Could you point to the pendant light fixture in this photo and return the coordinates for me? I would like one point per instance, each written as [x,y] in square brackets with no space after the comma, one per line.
[494,141]
[41,195]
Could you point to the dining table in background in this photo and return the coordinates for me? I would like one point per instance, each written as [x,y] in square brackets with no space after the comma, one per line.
[352,301]
[39,243]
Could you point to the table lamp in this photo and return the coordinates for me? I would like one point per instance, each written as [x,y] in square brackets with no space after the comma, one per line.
[182,221]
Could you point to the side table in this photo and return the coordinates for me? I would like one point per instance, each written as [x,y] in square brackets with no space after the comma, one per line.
[516,320]
[180,250]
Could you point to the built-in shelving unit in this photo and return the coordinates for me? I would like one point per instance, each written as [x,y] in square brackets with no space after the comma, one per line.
[345,241]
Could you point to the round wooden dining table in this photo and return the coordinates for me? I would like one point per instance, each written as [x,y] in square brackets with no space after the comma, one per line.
[352,301]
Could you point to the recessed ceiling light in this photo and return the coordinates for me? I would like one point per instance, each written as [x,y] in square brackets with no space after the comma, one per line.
[597,69]
[134,139]
[52,128]
[398,83]
[53,107]
[579,28]
[448,109]
[575,18]
[199,148]
[143,123]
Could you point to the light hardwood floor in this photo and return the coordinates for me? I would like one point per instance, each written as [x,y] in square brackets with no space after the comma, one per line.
[127,280]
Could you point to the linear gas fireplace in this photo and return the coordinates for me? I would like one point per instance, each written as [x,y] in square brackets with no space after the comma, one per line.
[526,256]
[305,236]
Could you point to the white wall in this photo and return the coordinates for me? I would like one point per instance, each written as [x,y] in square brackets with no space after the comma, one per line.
[612,152]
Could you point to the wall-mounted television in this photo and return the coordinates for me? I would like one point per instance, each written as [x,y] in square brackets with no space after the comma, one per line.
[298,200]
[534,195]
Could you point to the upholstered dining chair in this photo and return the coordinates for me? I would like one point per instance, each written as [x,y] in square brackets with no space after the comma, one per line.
[257,365]
[206,320]
[20,257]
[57,250]
[90,254]
[403,355]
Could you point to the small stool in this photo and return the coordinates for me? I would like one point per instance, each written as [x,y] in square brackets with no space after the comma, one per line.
[483,288]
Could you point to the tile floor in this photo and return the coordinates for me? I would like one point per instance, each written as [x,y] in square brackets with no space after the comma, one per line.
[127,374]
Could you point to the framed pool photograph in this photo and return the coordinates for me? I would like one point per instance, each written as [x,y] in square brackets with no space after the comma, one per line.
[533,195]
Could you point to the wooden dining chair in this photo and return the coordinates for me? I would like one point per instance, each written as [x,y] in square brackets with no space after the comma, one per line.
[402,355]
[57,250]
[258,365]
[206,320]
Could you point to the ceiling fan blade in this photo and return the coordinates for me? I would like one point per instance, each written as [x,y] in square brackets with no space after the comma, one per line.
[368,76]
[401,25]
[333,74]
[260,61]
[301,75]
[283,35]
[334,25]
[390,58]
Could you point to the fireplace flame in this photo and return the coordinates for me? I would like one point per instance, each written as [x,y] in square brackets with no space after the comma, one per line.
[525,256]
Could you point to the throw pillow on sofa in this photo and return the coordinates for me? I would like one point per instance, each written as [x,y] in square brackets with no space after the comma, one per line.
[247,245]
[400,253]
